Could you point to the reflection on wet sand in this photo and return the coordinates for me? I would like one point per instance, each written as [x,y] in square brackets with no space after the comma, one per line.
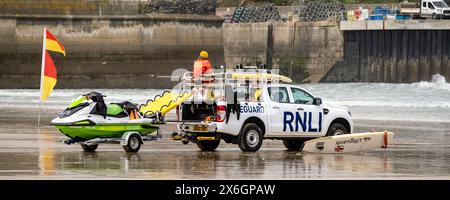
[356,163]
[31,154]
[46,155]
[211,165]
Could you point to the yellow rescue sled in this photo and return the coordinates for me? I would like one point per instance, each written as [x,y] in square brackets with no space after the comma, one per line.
[163,103]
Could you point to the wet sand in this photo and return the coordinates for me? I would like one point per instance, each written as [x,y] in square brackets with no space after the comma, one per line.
[419,151]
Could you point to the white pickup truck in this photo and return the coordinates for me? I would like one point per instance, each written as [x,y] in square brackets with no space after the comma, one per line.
[270,111]
[435,9]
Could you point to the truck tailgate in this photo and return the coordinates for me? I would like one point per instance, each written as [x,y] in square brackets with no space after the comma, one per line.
[197,127]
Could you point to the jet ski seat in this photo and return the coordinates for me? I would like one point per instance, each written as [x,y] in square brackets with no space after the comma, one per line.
[118,110]
[115,110]
[123,109]
[126,105]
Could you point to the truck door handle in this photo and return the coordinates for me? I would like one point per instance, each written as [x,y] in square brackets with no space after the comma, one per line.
[276,107]
[299,108]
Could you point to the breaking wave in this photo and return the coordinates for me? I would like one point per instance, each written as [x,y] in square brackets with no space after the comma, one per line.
[437,82]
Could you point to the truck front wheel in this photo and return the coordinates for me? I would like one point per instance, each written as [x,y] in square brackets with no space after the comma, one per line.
[337,129]
[250,138]
[208,145]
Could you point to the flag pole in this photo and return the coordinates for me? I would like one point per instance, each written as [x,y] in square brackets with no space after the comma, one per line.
[42,75]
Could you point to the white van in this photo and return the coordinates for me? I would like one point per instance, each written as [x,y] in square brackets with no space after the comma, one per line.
[434,9]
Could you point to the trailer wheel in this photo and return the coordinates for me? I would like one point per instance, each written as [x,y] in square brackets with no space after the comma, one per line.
[250,138]
[133,144]
[337,129]
[293,144]
[89,148]
[208,145]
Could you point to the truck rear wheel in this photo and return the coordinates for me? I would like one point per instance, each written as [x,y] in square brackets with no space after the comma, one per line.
[337,129]
[293,144]
[250,138]
[208,145]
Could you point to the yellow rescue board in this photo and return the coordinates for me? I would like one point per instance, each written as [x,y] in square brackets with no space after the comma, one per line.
[349,143]
[259,76]
[163,103]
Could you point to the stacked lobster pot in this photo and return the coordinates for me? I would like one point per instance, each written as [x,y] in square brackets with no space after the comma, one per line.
[250,13]
[201,7]
[322,10]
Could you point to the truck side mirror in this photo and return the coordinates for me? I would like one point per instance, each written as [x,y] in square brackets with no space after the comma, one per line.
[317,101]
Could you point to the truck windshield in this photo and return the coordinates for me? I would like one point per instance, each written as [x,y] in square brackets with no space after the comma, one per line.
[440,4]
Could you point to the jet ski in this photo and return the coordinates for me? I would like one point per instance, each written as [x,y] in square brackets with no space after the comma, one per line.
[89,121]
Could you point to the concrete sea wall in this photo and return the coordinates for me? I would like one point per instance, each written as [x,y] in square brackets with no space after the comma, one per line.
[138,51]
[141,51]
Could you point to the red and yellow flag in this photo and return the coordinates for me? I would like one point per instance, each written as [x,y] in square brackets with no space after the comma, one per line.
[52,44]
[49,75]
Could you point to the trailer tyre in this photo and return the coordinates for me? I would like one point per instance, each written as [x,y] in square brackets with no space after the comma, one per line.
[89,148]
[133,144]
[250,138]
[337,129]
[208,145]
